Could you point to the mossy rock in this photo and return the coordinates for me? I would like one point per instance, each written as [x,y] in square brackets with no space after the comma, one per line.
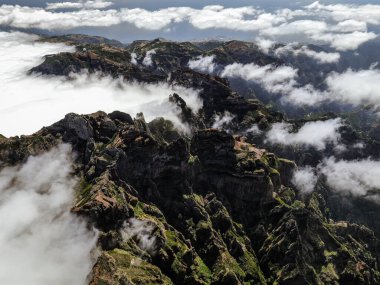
[119,267]
[163,130]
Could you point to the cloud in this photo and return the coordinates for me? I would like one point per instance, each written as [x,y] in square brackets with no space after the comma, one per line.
[355,87]
[273,79]
[203,64]
[218,17]
[350,30]
[147,61]
[343,27]
[96,4]
[279,80]
[31,102]
[142,232]
[63,5]
[341,12]
[337,25]
[342,36]
[207,17]
[30,17]
[348,26]
[41,241]
[357,177]
[297,50]
[265,45]
[254,130]
[215,16]
[352,87]
[314,134]
[222,121]
[134,58]
[305,27]
[154,20]
[305,179]
[304,96]
[344,42]
[322,56]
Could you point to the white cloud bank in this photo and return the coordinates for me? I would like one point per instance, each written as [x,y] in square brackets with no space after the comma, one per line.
[321,32]
[31,102]
[96,4]
[315,134]
[348,12]
[273,79]
[305,179]
[355,87]
[203,64]
[344,42]
[351,87]
[41,241]
[280,80]
[355,177]
[343,27]
[321,57]
[207,17]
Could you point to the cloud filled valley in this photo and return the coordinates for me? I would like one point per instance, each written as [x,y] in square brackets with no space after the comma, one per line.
[284,79]
[34,101]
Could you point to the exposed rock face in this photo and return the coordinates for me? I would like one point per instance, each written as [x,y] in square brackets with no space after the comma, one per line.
[216,207]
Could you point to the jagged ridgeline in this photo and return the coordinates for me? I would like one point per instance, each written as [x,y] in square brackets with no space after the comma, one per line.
[206,207]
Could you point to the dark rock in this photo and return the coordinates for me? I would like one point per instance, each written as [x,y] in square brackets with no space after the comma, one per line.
[73,129]
[123,117]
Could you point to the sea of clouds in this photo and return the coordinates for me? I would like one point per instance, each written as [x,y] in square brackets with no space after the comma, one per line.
[29,102]
[283,80]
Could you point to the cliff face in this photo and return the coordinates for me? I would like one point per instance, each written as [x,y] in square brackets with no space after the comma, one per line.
[210,209]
